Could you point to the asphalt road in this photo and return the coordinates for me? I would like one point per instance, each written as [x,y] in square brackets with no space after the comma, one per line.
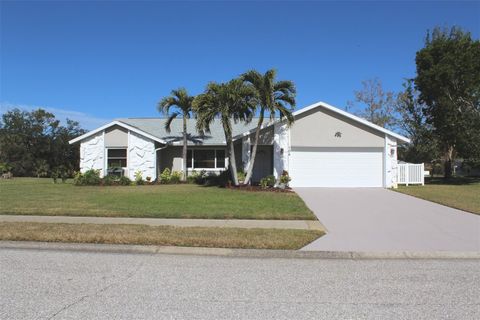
[39,284]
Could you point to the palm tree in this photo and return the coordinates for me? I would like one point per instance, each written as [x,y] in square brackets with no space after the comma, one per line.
[227,102]
[272,97]
[182,102]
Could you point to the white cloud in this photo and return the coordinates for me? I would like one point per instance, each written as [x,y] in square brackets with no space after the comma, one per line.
[86,121]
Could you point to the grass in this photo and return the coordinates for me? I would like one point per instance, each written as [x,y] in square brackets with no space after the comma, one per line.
[460,193]
[163,235]
[32,196]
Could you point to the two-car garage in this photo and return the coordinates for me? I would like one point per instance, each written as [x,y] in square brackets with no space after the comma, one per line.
[336,167]
[329,147]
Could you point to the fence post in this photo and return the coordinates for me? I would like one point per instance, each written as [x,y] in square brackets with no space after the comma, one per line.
[407,173]
[423,174]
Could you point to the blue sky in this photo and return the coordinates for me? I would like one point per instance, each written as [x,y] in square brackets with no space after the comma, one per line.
[95,61]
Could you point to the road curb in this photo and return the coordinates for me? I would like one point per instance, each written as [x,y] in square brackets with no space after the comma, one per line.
[241,253]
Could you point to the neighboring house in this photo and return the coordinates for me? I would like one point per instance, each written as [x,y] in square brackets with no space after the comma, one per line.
[325,147]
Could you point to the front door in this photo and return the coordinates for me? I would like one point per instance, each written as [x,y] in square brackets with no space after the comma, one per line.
[263,163]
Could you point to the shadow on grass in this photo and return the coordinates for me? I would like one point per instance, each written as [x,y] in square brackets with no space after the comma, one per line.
[452,181]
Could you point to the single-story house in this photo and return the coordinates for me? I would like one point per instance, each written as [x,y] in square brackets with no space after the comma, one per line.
[325,147]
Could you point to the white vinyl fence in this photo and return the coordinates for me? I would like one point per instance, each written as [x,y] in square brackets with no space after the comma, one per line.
[410,173]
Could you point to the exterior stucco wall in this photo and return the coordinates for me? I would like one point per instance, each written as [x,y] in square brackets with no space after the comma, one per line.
[92,153]
[390,162]
[141,156]
[281,148]
[320,128]
[116,136]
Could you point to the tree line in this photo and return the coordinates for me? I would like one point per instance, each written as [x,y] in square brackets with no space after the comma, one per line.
[439,109]
[35,143]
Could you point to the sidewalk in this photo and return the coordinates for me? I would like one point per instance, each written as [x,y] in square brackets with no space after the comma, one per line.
[231,223]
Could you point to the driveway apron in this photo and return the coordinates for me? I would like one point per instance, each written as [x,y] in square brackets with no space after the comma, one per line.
[376,219]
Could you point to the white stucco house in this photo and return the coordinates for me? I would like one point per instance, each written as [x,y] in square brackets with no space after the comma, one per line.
[325,147]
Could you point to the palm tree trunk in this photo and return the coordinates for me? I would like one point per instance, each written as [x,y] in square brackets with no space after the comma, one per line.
[184,150]
[254,150]
[232,165]
[253,155]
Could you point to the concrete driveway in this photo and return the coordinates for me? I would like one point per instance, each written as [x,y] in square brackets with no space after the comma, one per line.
[375,219]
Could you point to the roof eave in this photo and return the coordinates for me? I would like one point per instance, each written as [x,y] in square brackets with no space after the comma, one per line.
[118,123]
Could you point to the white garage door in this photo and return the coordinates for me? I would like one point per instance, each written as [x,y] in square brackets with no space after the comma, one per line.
[336,167]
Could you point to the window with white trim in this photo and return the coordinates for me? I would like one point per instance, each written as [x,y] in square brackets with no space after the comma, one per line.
[206,159]
[117,158]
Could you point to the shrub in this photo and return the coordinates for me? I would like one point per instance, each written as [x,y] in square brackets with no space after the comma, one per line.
[78,178]
[193,177]
[64,176]
[138,178]
[124,181]
[285,178]
[92,177]
[175,177]
[263,183]
[241,176]
[89,178]
[61,172]
[5,167]
[110,180]
[165,176]
[54,175]
[268,181]
[197,177]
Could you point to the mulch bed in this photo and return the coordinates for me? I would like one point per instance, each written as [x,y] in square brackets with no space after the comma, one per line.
[259,189]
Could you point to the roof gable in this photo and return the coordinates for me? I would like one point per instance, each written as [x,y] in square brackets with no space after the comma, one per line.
[116,123]
[350,116]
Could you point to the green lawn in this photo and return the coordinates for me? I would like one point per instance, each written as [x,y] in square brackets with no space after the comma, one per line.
[162,235]
[32,196]
[460,193]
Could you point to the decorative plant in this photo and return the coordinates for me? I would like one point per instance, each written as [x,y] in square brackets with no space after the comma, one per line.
[138,178]
[268,181]
[285,178]
[176,176]
[241,176]
[263,183]
[124,181]
[89,178]
[165,176]
[109,180]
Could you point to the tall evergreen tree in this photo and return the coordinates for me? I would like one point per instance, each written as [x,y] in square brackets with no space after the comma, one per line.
[448,79]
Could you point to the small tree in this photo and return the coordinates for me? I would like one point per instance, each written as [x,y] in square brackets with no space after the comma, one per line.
[273,97]
[182,102]
[423,146]
[225,102]
[376,105]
